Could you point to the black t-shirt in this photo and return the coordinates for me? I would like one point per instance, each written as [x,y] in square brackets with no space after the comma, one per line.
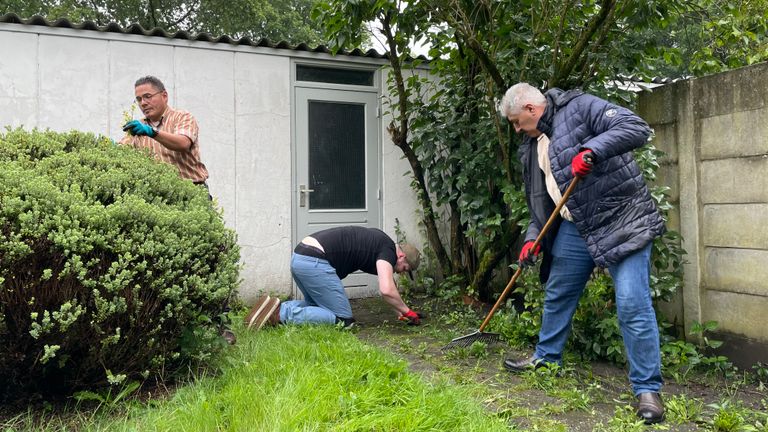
[352,248]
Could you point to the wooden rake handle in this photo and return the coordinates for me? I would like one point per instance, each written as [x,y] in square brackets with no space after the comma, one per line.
[536,243]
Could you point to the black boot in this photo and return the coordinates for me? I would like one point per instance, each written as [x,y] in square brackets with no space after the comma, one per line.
[522,365]
[650,407]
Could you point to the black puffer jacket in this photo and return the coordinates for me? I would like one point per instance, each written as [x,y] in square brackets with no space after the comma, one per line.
[612,207]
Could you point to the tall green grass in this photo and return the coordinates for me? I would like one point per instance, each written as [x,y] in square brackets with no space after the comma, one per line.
[310,379]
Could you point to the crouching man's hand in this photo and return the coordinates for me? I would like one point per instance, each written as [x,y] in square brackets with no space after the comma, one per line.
[412,318]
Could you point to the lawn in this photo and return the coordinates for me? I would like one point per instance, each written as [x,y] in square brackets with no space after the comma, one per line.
[292,378]
[386,376]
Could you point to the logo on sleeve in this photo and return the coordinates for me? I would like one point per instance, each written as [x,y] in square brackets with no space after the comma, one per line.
[611,113]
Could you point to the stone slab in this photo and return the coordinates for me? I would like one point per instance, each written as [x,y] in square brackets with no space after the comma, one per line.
[736,270]
[741,314]
[735,90]
[665,139]
[735,225]
[735,181]
[19,91]
[734,134]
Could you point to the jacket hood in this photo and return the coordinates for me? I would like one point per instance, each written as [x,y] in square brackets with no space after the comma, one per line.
[556,99]
[561,98]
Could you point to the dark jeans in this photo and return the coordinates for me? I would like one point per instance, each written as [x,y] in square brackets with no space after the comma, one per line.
[571,268]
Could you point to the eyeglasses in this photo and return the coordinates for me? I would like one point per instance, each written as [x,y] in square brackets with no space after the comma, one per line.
[147,96]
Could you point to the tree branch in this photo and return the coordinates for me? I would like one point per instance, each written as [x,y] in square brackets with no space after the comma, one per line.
[399,136]
[563,70]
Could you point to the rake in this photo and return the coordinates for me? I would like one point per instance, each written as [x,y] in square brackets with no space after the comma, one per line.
[479,335]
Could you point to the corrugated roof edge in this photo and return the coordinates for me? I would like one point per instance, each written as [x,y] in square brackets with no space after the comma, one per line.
[12,18]
[637,79]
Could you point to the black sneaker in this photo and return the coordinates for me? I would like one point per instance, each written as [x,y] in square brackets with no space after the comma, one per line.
[345,323]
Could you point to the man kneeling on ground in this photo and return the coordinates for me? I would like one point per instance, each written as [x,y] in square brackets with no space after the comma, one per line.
[322,260]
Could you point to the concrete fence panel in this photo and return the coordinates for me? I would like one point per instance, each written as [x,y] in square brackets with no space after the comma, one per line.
[714,131]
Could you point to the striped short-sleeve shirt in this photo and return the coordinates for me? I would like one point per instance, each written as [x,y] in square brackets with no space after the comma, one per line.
[177,122]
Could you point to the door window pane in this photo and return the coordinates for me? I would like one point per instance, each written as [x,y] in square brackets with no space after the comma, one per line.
[334,76]
[336,155]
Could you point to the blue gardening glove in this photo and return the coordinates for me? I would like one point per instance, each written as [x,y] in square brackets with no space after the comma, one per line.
[135,127]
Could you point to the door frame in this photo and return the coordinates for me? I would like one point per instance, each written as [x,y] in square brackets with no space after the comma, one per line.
[375,89]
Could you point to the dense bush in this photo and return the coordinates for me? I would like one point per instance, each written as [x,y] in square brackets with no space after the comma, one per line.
[112,268]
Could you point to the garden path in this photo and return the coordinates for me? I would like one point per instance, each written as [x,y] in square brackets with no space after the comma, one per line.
[587,397]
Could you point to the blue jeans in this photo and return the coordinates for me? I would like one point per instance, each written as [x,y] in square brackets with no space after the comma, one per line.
[324,295]
[571,268]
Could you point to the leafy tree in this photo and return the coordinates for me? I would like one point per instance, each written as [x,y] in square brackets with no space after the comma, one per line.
[461,152]
[710,36]
[277,20]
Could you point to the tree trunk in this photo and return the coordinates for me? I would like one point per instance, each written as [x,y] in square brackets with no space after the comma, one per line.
[399,134]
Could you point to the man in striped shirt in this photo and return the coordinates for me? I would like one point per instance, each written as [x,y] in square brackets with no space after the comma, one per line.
[169,134]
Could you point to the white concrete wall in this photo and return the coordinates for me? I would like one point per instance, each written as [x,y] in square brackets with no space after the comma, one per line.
[399,200]
[65,79]
[263,122]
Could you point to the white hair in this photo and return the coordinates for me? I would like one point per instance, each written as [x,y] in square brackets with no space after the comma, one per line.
[517,96]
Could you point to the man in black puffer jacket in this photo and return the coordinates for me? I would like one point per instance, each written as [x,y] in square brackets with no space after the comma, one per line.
[609,221]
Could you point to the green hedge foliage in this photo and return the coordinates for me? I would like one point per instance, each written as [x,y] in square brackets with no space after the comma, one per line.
[112,268]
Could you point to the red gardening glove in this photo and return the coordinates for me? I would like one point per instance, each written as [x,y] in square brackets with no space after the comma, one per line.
[528,254]
[581,165]
[412,318]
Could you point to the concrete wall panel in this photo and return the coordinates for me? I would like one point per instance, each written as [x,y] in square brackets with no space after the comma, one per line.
[668,175]
[735,225]
[737,270]
[736,134]
[673,218]
[74,93]
[742,314]
[665,139]
[18,91]
[659,105]
[263,123]
[733,91]
[672,311]
[736,181]
[204,85]
[124,70]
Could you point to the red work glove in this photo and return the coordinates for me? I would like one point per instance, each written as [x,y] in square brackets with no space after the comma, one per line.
[528,254]
[413,318]
[581,165]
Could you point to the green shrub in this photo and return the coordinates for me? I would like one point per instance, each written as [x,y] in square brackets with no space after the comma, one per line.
[112,268]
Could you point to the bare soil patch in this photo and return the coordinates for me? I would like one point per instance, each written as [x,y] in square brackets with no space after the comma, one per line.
[599,392]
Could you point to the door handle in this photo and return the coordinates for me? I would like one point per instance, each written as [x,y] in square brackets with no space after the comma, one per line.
[303,195]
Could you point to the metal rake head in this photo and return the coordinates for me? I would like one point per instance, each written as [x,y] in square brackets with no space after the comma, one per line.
[468,340]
